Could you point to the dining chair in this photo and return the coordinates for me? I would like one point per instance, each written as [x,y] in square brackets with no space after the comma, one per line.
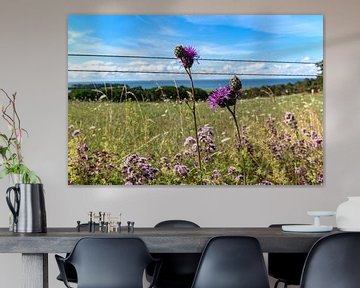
[285,267]
[232,262]
[108,263]
[70,271]
[178,269]
[333,262]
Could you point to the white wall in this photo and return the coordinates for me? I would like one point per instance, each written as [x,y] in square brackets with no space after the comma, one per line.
[33,62]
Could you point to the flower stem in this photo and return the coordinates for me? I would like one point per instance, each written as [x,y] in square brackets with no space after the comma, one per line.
[236,123]
[233,114]
[193,110]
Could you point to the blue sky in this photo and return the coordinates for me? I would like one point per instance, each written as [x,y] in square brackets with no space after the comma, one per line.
[270,37]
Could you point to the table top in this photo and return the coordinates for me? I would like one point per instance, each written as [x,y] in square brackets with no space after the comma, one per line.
[158,240]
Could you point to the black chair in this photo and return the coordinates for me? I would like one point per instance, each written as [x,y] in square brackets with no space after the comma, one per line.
[178,269]
[286,267]
[69,269]
[108,263]
[232,262]
[333,262]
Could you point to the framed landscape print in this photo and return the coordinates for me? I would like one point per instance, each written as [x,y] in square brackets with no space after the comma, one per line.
[195,100]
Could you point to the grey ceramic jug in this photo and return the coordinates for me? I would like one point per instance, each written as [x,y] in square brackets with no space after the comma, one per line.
[28,208]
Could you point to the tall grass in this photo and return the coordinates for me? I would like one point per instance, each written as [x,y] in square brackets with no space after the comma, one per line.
[156,130]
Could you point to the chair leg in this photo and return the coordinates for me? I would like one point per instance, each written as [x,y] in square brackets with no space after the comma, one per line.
[278,282]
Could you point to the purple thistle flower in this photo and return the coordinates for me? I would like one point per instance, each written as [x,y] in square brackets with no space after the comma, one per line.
[187,55]
[223,96]
[190,55]
[191,52]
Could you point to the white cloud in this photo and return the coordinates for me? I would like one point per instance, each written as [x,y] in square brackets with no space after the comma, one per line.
[274,24]
[169,66]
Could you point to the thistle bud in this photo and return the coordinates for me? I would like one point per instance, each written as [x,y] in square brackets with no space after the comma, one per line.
[179,51]
[235,83]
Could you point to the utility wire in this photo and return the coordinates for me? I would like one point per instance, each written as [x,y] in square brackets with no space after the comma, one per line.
[201,59]
[194,73]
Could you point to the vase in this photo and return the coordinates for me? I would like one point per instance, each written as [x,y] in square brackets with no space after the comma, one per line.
[27,204]
[348,214]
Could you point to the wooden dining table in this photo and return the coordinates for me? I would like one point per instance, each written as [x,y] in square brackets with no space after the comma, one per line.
[35,247]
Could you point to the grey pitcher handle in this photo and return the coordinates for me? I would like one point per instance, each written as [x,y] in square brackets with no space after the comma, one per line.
[13,208]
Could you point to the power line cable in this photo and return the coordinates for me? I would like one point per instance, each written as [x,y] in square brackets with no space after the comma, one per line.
[194,73]
[201,59]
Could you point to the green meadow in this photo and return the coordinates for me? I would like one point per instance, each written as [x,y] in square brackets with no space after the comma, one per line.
[110,132]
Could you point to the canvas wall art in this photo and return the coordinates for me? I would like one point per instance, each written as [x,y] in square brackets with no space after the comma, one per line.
[195,100]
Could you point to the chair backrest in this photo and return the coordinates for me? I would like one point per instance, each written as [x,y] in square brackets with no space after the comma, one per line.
[232,262]
[110,262]
[286,266]
[333,262]
[176,224]
[178,269]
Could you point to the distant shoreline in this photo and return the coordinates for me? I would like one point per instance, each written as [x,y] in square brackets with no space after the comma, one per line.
[199,83]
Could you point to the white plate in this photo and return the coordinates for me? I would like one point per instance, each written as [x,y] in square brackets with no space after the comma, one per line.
[350,229]
[321,213]
[306,228]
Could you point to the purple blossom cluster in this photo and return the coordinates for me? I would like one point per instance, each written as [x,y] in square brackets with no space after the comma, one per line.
[313,135]
[270,125]
[206,137]
[138,171]
[90,164]
[181,170]
[244,141]
[187,55]
[223,97]
[289,119]
[299,149]
[207,144]
[226,96]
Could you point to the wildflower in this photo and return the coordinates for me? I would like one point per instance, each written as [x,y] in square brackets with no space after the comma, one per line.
[265,182]
[223,97]
[290,120]
[207,159]
[75,133]
[206,135]
[187,55]
[216,174]
[137,170]
[165,163]
[231,170]
[318,142]
[177,156]
[189,141]
[300,171]
[235,83]
[181,170]
[320,179]
[270,125]
[239,178]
